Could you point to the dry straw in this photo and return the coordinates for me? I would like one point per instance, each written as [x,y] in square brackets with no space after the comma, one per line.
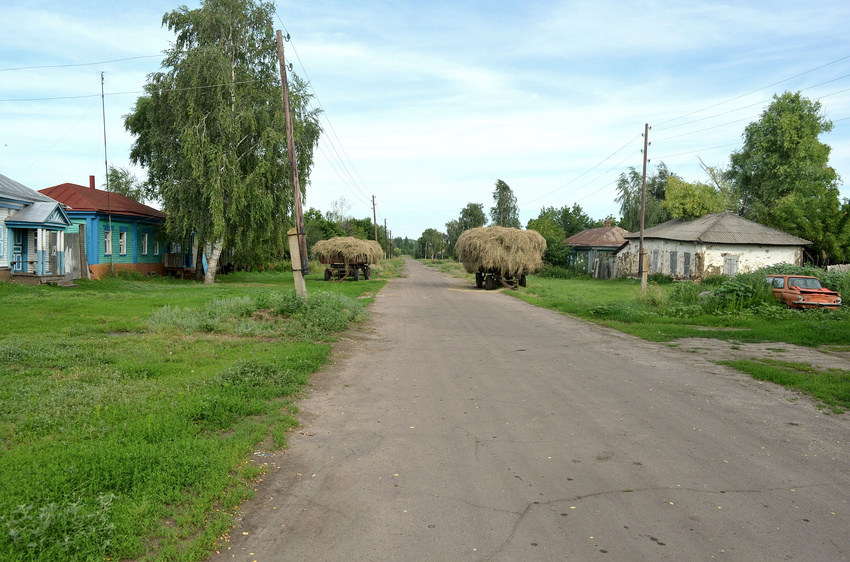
[345,249]
[507,251]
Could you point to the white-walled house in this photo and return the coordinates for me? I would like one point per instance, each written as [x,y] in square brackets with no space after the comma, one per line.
[716,244]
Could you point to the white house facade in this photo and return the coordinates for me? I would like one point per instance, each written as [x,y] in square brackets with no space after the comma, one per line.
[717,244]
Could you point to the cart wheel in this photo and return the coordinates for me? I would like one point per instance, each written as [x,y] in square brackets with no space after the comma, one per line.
[367,273]
[479,279]
[328,275]
[357,274]
[488,282]
[522,282]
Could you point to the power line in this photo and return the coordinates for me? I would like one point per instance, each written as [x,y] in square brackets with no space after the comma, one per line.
[77,64]
[327,117]
[754,91]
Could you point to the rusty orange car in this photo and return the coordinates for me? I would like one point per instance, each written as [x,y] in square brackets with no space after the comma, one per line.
[803,291]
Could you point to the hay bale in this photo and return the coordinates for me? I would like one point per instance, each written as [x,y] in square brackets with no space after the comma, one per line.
[345,249]
[509,251]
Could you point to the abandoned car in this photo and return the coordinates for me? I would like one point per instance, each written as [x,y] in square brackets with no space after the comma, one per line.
[801,291]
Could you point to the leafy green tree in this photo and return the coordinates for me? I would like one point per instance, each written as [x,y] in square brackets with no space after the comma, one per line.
[783,175]
[210,130]
[574,220]
[504,212]
[629,187]
[472,216]
[319,227]
[431,244]
[688,201]
[548,224]
[453,232]
[719,178]
[123,182]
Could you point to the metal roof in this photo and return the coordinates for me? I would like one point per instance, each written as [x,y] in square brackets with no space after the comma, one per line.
[42,214]
[79,198]
[606,236]
[721,228]
[10,189]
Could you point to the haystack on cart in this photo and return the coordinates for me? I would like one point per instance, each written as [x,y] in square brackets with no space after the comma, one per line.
[344,257]
[500,256]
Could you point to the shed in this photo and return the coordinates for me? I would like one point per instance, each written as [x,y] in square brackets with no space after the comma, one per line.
[32,230]
[595,250]
[716,244]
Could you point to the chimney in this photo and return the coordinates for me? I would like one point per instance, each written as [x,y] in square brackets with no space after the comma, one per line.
[91,182]
[607,223]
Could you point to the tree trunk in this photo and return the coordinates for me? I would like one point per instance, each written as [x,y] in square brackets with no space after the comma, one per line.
[199,262]
[212,262]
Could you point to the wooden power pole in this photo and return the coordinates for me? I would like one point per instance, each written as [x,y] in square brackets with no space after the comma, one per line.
[374,218]
[641,265]
[301,245]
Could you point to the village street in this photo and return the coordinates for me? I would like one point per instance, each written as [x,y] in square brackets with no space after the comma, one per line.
[462,424]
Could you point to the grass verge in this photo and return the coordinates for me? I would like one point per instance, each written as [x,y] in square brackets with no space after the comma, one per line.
[830,387]
[130,410]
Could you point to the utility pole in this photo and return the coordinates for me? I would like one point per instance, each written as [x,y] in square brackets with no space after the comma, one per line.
[374,218]
[641,265]
[300,242]
[387,236]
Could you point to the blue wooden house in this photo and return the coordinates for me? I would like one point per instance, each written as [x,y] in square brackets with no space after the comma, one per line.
[32,235]
[119,233]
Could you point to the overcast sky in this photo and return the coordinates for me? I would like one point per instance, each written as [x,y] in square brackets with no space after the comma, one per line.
[427,104]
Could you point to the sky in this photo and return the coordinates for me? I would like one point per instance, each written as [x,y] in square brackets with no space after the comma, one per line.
[427,104]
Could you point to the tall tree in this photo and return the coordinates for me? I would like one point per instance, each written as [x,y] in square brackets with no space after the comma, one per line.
[472,216]
[573,220]
[210,130]
[629,188]
[688,201]
[783,175]
[548,224]
[123,182]
[504,212]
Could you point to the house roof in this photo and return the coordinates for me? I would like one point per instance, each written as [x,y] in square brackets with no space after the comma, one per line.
[606,236]
[79,198]
[10,189]
[721,228]
[42,214]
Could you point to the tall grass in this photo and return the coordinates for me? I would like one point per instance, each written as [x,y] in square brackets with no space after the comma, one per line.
[129,409]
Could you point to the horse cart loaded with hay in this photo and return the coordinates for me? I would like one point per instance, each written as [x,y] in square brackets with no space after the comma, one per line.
[348,257]
[500,256]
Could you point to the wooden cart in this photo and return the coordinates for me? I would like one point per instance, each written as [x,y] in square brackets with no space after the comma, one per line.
[492,278]
[338,268]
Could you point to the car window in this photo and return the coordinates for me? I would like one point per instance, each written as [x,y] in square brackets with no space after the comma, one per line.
[804,283]
[778,282]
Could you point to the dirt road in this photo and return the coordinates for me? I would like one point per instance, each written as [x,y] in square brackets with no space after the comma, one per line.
[468,425]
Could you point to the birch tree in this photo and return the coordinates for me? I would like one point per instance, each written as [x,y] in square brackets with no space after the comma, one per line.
[210,131]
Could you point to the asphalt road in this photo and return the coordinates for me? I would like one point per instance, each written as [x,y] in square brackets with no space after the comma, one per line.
[468,425]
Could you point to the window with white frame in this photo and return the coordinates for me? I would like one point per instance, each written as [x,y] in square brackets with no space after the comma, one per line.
[122,243]
[144,243]
[2,241]
[107,242]
[155,248]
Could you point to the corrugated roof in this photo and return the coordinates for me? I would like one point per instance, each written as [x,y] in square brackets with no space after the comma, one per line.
[721,228]
[82,198]
[610,236]
[11,189]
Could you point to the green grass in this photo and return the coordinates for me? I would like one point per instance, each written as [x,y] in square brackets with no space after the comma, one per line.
[449,266]
[130,409]
[660,316]
[831,387]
